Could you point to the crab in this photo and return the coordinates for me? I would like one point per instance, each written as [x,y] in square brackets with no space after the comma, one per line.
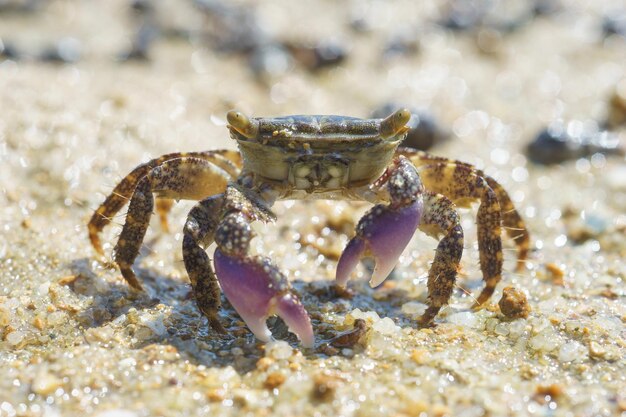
[304,158]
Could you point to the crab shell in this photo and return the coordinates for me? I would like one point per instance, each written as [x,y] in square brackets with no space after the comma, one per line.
[310,157]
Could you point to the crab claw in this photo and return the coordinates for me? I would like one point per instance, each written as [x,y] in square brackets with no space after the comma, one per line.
[257,289]
[382,233]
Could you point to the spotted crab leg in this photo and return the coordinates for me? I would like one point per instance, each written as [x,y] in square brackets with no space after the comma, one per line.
[441,221]
[180,178]
[460,182]
[512,222]
[252,284]
[227,161]
[385,230]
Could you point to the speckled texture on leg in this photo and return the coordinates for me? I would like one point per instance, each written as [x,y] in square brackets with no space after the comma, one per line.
[119,197]
[133,232]
[186,177]
[404,184]
[512,222]
[461,183]
[198,234]
[228,161]
[233,235]
[241,199]
[223,218]
[440,217]
[511,219]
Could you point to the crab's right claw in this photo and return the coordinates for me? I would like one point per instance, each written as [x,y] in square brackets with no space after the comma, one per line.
[382,233]
[257,289]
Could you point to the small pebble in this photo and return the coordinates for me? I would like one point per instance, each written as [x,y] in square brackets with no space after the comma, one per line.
[264,363]
[274,380]
[38,323]
[414,308]
[278,350]
[555,273]
[15,338]
[514,304]
[554,391]
[596,351]
[420,356]
[501,329]
[270,60]
[56,318]
[5,316]
[545,341]
[571,351]
[351,337]
[517,328]
[385,326]
[324,387]
[215,395]
[404,42]
[368,316]
[464,318]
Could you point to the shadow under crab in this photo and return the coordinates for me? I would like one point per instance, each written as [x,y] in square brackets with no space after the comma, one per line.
[303,158]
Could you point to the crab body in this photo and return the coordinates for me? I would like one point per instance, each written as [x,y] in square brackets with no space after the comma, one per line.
[318,157]
[310,157]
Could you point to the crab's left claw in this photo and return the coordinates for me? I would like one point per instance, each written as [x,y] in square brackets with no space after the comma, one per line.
[382,233]
[257,289]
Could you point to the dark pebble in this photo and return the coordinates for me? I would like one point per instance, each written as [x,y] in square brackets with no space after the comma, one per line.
[324,54]
[424,130]
[614,24]
[65,51]
[7,50]
[554,144]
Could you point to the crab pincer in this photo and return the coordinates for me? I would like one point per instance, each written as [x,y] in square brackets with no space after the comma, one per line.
[255,286]
[385,230]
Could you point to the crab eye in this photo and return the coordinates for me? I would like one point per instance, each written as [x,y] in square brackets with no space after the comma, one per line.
[395,123]
[402,117]
[242,124]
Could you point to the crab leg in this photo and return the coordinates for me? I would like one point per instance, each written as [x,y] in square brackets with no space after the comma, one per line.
[163,207]
[440,217]
[253,285]
[198,234]
[385,230]
[228,161]
[512,222]
[180,178]
[461,183]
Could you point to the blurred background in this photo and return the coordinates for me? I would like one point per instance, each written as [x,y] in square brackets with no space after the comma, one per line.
[491,74]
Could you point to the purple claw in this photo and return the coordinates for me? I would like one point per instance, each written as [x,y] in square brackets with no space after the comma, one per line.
[383,233]
[257,289]
[349,259]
